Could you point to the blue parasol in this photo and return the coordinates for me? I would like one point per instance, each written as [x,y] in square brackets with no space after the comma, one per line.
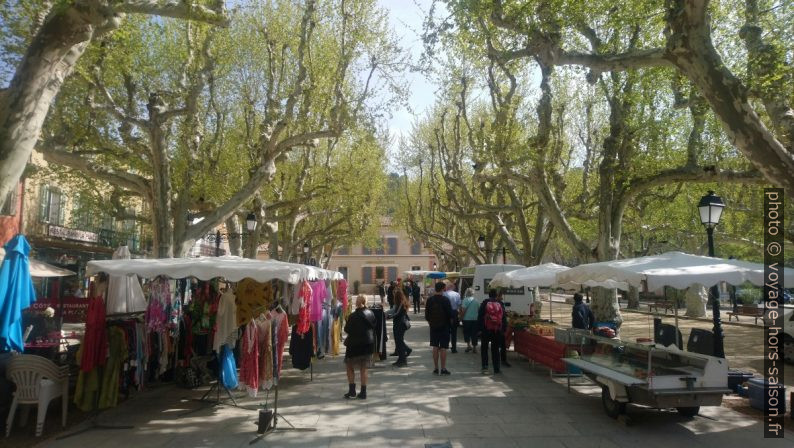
[16,293]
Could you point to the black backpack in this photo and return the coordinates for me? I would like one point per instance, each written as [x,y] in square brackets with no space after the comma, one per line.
[436,316]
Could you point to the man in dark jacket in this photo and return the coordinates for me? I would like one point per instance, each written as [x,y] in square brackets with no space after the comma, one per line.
[581,315]
[494,337]
[416,294]
[438,314]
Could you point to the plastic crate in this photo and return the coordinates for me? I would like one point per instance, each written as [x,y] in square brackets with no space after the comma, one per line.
[758,396]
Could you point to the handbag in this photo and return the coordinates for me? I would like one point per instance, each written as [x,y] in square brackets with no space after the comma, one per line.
[407,322]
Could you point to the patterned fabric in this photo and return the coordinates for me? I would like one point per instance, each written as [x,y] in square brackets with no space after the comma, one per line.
[252,298]
[341,291]
[304,317]
[265,342]
[249,365]
[159,302]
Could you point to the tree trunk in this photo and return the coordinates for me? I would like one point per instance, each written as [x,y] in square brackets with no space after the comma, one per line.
[235,235]
[634,298]
[696,298]
[50,58]
[604,303]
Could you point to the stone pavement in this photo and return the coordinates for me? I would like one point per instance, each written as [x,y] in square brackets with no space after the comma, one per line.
[410,407]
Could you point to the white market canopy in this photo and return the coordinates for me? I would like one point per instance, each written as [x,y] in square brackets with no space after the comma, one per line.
[231,268]
[675,269]
[42,269]
[542,275]
[545,276]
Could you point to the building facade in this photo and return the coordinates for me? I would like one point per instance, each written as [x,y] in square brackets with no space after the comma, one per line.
[368,266]
[67,230]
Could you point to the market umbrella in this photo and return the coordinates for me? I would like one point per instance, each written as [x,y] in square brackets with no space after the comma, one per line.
[16,293]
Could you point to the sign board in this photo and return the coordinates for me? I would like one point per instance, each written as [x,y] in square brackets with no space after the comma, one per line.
[73,234]
[505,291]
[74,308]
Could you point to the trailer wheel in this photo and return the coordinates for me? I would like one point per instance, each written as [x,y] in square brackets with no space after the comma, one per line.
[689,411]
[613,408]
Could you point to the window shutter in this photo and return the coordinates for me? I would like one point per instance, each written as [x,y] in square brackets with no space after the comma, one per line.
[44,202]
[392,244]
[366,275]
[392,275]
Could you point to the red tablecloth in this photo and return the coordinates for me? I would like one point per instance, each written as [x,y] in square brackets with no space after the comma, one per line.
[542,349]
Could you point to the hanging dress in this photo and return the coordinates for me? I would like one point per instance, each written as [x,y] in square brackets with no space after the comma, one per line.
[226,321]
[249,363]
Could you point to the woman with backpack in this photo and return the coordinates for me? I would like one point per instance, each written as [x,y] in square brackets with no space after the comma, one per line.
[359,346]
[469,310]
[492,324]
[400,324]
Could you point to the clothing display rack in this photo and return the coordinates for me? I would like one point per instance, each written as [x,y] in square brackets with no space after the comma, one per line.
[93,422]
[216,386]
[276,416]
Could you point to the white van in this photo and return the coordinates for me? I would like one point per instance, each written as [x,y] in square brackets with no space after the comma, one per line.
[479,277]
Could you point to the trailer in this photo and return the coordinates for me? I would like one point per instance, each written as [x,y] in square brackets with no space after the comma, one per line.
[648,374]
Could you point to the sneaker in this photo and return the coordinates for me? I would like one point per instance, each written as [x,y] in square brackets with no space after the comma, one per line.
[408,353]
[399,364]
[497,372]
[445,372]
[454,350]
[506,364]
[485,371]
[394,354]
[468,349]
[474,350]
[362,395]
[435,371]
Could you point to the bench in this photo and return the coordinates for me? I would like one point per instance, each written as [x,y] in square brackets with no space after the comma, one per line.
[664,304]
[744,310]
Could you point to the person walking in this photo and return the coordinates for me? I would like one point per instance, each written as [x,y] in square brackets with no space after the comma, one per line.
[438,314]
[390,293]
[502,343]
[382,290]
[454,302]
[359,346]
[492,322]
[581,315]
[400,324]
[416,293]
[469,309]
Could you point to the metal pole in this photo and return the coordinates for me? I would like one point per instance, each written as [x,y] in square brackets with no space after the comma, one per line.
[504,255]
[719,348]
[218,243]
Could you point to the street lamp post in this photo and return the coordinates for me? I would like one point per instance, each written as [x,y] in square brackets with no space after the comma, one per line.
[250,225]
[710,208]
[481,245]
[306,253]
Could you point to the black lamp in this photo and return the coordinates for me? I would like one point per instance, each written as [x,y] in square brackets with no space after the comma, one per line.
[250,222]
[481,242]
[710,208]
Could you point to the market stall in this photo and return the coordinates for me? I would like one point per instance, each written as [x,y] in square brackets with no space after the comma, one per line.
[647,374]
[652,374]
[198,310]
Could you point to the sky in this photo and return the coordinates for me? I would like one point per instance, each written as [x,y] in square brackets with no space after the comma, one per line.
[405,18]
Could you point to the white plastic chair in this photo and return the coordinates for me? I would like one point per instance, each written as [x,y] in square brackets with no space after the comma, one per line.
[38,381]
